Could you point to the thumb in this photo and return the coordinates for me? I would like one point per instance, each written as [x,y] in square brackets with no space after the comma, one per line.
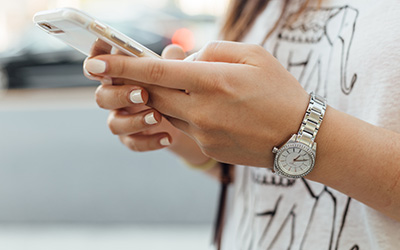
[173,51]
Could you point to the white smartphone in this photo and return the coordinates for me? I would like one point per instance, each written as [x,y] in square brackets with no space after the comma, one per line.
[86,34]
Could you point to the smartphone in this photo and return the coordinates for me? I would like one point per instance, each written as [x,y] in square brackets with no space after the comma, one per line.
[88,35]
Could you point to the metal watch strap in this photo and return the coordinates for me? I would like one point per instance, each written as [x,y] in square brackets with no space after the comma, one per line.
[312,120]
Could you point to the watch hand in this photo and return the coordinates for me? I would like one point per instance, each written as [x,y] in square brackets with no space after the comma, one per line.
[297,158]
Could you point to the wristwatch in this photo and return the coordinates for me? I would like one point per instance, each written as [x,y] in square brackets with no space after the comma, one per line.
[296,158]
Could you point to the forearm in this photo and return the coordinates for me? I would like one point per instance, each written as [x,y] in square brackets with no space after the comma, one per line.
[360,160]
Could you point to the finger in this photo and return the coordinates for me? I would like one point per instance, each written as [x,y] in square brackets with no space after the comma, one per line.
[169,101]
[100,47]
[173,51]
[230,52]
[167,73]
[122,81]
[116,97]
[142,143]
[88,75]
[123,124]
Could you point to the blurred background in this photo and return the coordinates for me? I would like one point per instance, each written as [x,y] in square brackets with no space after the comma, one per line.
[65,181]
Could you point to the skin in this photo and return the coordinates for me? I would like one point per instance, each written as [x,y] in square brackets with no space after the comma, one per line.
[237,106]
[126,119]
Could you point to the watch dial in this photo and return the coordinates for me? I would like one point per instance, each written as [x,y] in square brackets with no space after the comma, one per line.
[295,161]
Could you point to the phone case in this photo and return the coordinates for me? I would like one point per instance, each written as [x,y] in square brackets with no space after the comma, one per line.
[86,34]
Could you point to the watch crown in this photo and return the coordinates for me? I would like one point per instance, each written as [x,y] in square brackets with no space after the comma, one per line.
[275,150]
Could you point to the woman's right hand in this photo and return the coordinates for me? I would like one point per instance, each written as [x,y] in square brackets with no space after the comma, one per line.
[139,127]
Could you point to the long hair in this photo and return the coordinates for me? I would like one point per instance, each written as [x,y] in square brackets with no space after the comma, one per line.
[243,13]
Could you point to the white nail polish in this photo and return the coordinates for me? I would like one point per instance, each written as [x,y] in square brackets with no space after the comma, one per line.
[150,119]
[165,141]
[136,96]
[95,66]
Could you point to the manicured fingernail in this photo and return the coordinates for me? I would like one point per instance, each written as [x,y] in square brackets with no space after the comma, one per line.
[136,96]
[165,141]
[106,80]
[150,119]
[95,66]
[90,76]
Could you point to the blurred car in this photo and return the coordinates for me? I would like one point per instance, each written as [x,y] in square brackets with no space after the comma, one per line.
[40,61]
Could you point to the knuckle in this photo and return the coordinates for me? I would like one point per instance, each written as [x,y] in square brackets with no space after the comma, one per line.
[134,123]
[99,97]
[140,149]
[212,80]
[111,125]
[221,84]
[120,97]
[209,49]
[212,46]
[256,51]
[121,69]
[155,72]
[132,145]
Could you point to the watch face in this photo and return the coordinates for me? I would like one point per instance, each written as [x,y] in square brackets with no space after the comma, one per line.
[294,160]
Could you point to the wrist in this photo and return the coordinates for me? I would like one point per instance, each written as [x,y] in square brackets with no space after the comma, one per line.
[296,158]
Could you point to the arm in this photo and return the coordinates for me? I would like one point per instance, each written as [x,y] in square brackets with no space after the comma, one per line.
[360,160]
[242,103]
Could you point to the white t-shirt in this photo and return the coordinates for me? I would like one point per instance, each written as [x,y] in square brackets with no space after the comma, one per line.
[349,52]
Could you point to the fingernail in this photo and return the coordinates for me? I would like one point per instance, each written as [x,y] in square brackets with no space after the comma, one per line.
[150,119]
[165,141]
[106,80]
[192,57]
[90,76]
[95,66]
[136,96]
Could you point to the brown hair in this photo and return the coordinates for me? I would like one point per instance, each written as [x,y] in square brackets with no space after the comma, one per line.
[242,14]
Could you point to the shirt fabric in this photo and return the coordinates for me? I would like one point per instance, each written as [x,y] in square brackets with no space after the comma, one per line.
[348,52]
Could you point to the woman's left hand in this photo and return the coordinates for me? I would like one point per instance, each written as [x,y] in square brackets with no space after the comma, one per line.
[236,100]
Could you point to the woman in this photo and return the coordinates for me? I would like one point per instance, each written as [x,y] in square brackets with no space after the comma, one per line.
[237,101]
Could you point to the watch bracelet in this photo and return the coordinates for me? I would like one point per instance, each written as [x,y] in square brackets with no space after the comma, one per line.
[312,120]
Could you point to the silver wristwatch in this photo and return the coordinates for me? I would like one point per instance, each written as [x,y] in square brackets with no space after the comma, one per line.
[296,158]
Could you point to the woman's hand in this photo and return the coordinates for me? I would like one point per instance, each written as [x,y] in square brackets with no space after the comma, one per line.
[138,126]
[236,100]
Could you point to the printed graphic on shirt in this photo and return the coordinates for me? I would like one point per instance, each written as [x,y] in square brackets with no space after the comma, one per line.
[315,219]
[285,220]
[311,39]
